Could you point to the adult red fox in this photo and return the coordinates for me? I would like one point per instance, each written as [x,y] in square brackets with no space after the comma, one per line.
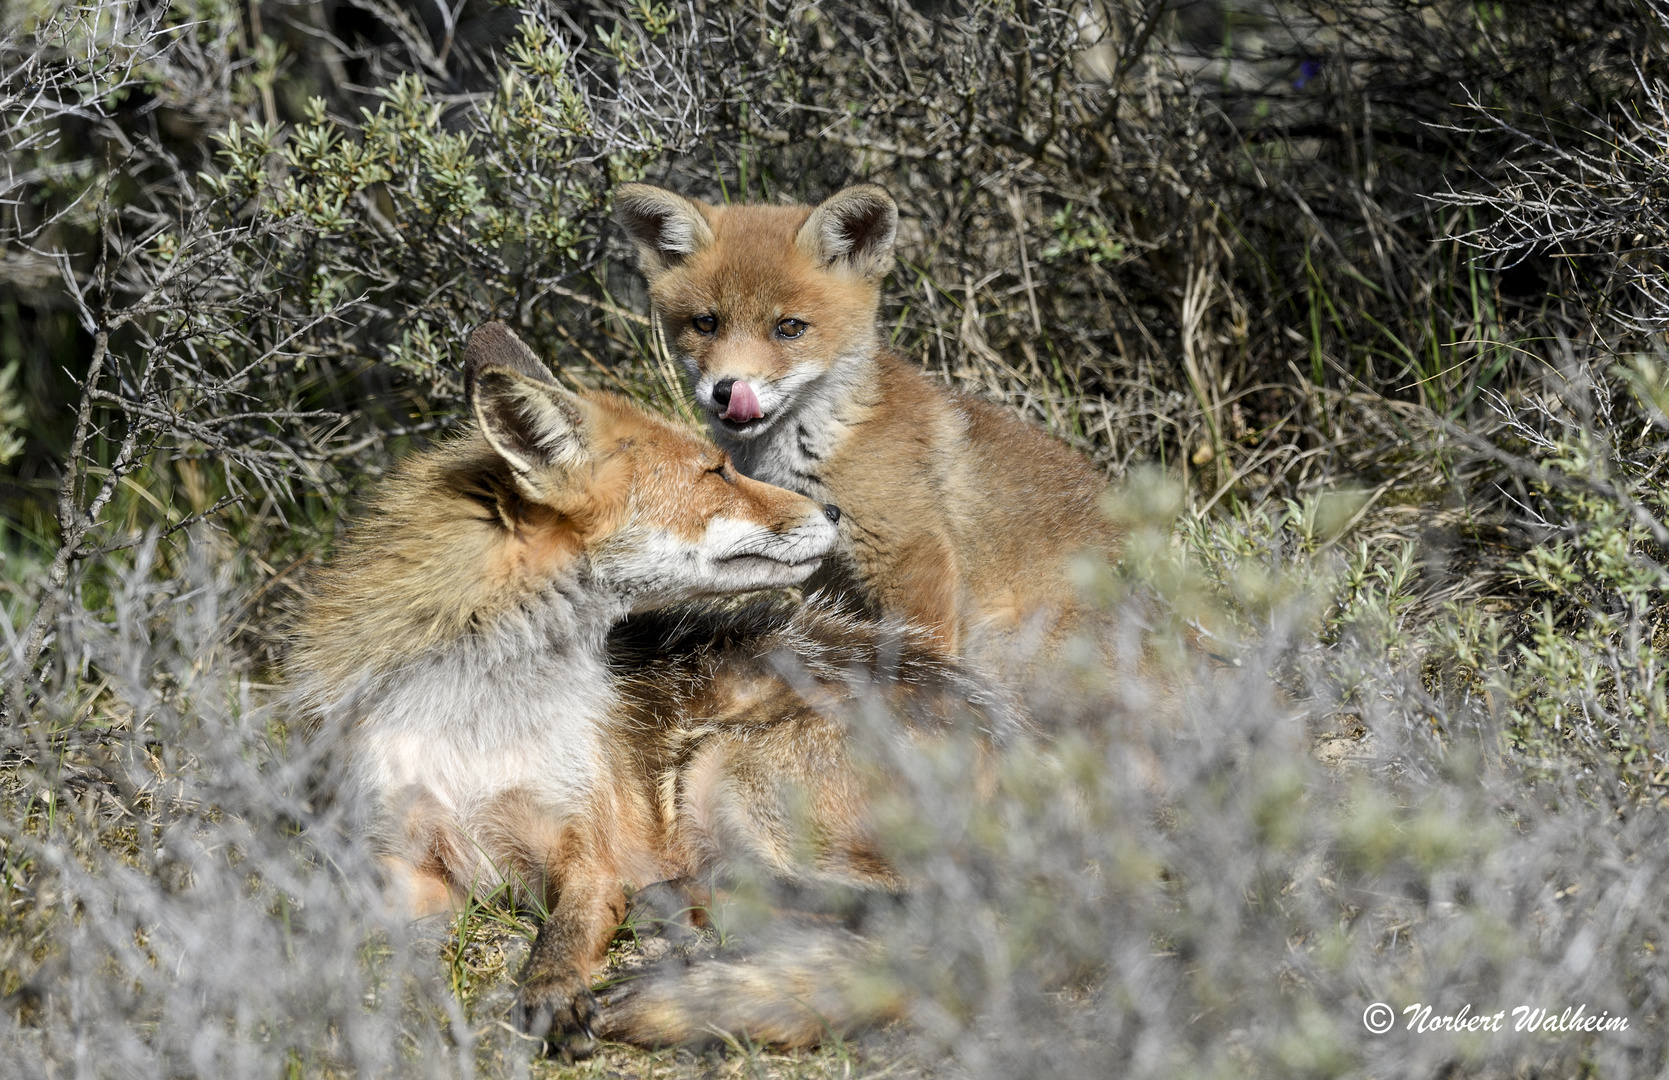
[956,515]
[457,646]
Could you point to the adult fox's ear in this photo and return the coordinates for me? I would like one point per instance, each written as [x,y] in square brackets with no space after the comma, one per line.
[497,345]
[852,230]
[537,427]
[665,227]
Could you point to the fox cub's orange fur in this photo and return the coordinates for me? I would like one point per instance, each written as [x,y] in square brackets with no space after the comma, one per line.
[458,648]
[957,515]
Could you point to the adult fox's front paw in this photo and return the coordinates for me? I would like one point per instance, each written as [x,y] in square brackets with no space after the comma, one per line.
[559,1008]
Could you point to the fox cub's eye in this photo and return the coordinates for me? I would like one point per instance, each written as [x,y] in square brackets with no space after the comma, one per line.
[722,471]
[705,324]
[790,328]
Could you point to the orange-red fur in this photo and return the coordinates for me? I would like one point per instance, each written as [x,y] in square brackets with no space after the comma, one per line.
[457,651]
[956,514]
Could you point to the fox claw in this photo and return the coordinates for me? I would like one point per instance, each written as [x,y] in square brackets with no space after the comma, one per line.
[571,1048]
[560,1011]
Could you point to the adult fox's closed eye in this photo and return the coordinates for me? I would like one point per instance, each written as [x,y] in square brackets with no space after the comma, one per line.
[457,651]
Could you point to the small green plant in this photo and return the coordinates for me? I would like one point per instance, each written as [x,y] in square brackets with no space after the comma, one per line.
[1078,231]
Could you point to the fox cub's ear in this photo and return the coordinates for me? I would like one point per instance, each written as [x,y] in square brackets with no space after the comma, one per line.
[531,422]
[853,230]
[664,227]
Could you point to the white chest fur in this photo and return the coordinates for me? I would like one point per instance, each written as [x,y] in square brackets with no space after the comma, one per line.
[795,451]
[480,718]
[465,736]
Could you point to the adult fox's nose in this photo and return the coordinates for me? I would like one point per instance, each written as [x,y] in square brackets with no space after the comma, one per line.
[832,512]
[721,391]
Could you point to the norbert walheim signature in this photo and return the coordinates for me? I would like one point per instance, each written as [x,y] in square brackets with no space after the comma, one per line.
[1380,1018]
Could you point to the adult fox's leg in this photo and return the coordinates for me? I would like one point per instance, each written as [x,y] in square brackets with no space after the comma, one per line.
[582,882]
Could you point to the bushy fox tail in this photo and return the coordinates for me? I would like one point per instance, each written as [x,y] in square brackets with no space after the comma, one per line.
[806,987]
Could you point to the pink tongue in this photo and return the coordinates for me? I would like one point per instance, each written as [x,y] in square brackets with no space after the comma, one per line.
[744,403]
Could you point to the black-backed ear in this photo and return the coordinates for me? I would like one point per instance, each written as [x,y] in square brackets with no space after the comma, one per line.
[496,345]
[852,229]
[534,425]
[665,227]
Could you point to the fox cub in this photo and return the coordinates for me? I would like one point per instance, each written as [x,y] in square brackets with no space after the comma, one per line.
[957,516]
[458,648]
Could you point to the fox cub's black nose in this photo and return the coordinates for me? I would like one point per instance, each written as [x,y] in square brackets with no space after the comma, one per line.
[832,512]
[721,391]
